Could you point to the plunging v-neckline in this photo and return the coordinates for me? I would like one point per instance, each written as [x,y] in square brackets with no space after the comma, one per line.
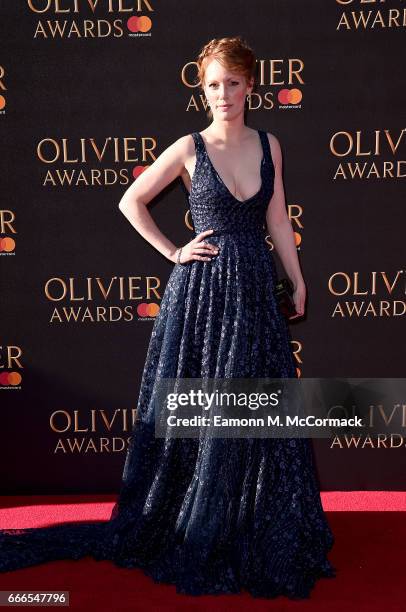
[221,180]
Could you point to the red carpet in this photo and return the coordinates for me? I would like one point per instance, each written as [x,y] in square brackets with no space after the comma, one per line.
[369,554]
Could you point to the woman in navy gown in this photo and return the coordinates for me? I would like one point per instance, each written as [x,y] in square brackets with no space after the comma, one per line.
[212,515]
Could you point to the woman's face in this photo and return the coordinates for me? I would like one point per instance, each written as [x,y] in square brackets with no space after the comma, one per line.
[225,91]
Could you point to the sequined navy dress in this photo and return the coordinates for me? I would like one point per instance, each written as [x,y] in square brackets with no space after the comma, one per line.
[210,515]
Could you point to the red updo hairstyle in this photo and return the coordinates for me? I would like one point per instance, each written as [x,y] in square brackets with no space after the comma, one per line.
[231,52]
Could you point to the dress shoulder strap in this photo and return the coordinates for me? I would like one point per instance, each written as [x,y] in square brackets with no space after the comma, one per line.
[200,151]
[266,146]
[199,145]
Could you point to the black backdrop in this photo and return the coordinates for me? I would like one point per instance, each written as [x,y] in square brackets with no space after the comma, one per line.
[121,75]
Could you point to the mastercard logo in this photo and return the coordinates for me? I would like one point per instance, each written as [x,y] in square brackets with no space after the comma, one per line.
[10,379]
[137,170]
[139,24]
[298,238]
[147,310]
[7,245]
[290,96]
[2,102]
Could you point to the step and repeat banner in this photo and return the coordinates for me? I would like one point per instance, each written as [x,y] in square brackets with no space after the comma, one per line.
[91,92]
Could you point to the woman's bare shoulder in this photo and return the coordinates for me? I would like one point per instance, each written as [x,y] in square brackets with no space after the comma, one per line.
[176,154]
[275,146]
[273,140]
[185,142]
[185,152]
[183,147]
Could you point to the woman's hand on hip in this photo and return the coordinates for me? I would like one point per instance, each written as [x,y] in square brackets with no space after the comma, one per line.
[197,249]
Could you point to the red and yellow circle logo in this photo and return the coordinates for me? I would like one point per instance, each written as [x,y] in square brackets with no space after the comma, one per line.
[290,96]
[10,379]
[139,24]
[7,244]
[147,310]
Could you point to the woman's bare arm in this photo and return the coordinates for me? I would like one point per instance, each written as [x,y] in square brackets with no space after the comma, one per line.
[278,222]
[281,231]
[147,186]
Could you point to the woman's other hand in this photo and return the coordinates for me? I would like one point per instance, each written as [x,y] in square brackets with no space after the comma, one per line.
[299,299]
